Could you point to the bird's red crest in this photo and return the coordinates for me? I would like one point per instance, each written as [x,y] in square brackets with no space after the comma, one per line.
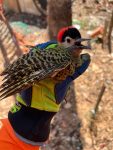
[61,33]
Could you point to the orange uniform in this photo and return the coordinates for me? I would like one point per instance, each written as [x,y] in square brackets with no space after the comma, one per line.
[9,141]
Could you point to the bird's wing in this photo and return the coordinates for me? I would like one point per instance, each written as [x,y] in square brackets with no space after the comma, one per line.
[26,82]
[29,68]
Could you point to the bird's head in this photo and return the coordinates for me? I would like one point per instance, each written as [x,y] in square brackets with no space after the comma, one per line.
[69,36]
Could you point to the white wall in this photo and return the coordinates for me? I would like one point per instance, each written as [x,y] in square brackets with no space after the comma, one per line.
[26,6]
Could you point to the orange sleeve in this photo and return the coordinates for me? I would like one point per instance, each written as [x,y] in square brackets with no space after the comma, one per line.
[9,141]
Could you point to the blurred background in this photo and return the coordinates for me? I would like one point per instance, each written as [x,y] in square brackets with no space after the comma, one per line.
[85,122]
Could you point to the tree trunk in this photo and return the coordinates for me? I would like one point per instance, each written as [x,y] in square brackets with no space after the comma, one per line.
[43,4]
[83,1]
[59,15]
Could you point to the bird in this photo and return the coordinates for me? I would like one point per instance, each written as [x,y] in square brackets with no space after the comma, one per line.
[37,65]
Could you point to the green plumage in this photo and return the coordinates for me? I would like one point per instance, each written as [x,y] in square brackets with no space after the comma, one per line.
[33,67]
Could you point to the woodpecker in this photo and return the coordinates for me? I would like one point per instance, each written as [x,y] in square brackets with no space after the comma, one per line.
[39,64]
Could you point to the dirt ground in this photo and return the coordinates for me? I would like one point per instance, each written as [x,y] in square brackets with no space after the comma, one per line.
[70,128]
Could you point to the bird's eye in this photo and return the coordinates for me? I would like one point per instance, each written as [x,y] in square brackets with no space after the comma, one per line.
[68,40]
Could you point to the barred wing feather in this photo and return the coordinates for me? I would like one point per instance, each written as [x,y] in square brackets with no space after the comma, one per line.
[31,68]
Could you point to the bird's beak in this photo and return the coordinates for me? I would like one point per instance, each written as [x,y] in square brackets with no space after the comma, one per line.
[81,46]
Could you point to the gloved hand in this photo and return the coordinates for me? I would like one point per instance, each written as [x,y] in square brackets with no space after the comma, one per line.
[62,87]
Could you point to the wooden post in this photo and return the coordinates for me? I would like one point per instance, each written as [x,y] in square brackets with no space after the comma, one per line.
[104,42]
[95,110]
[109,34]
[58,16]
[18,5]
